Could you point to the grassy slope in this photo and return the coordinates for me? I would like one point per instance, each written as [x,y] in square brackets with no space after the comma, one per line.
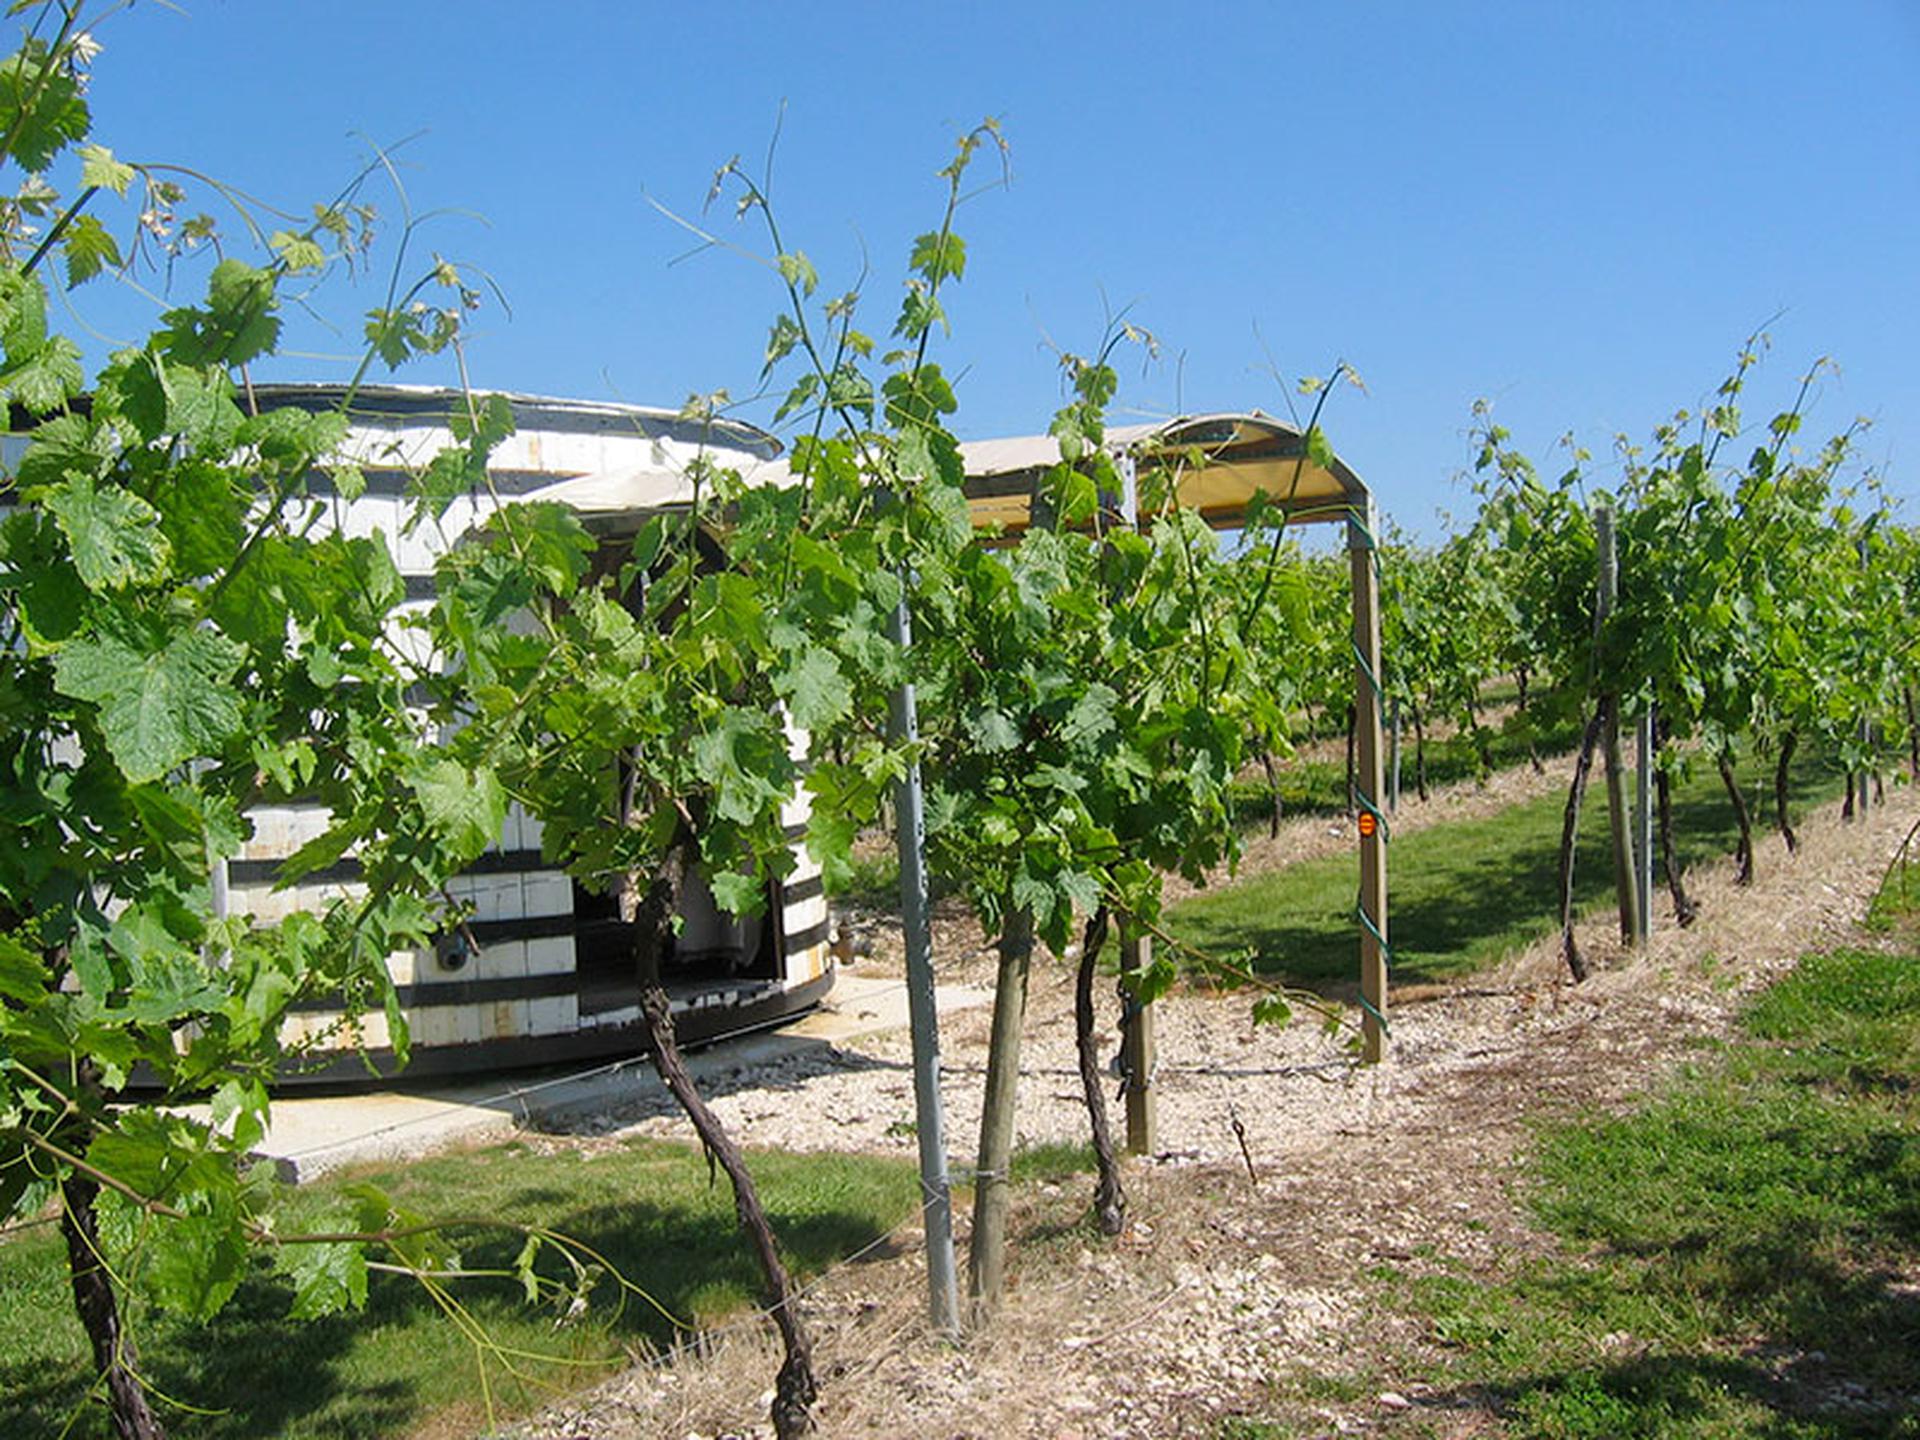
[1319,787]
[1754,1232]
[1740,1254]
[1462,894]
[648,1207]
[1307,787]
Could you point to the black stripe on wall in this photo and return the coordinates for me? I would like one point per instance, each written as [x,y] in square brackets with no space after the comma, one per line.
[494,862]
[534,927]
[800,941]
[465,992]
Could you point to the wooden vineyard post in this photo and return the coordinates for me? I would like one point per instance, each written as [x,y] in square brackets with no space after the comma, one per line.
[1138,1053]
[1626,884]
[1369,781]
[1643,821]
[1137,1049]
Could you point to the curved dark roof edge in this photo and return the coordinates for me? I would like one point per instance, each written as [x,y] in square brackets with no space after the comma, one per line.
[544,412]
[432,402]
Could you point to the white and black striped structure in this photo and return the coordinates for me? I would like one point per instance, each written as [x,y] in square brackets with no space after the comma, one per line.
[543,970]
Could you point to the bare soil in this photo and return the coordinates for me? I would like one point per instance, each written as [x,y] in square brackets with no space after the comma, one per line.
[1240,1265]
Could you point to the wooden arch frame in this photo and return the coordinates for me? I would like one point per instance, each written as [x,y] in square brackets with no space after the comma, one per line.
[1227,467]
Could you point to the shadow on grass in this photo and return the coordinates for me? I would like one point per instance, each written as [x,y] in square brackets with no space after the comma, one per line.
[1462,894]
[1798,1347]
[1673,1397]
[1764,1309]
[268,1376]
[1747,1241]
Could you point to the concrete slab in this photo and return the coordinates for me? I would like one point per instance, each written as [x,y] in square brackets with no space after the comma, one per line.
[313,1134]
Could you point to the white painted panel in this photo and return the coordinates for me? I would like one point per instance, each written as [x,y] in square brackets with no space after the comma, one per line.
[506,1019]
[805,914]
[371,1032]
[500,960]
[437,1025]
[548,892]
[267,905]
[550,955]
[493,897]
[554,1015]
[278,831]
[405,965]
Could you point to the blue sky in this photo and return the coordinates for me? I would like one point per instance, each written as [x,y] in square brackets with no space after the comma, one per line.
[1576,211]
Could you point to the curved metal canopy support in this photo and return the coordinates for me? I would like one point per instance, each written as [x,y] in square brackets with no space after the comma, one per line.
[1229,468]
[1224,466]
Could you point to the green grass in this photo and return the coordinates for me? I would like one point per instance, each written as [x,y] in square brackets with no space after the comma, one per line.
[1742,1247]
[1051,1162]
[1740,1253]
[647,1206]
[1319,787]
[1307,787]
[1463,894]
[1240,1428]
[1896,909]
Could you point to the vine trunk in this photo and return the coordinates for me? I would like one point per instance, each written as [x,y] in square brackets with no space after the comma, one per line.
[1273,794]
[987,1255]
[1743,850]
[1420,756]
[1109,1196]
[1684,910]
[1781,819]
[795,1389]
[99,1309]
[1569,837]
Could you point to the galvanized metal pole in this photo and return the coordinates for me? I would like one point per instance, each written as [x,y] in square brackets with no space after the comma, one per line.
[943,1291]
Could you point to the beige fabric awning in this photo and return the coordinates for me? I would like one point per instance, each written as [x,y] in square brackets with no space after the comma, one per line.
[617,502]
[1214,464]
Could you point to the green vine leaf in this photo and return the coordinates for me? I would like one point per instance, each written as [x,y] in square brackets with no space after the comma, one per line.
[327,1277]
[466,808]
[815,691]
[114,535]
[23,974]
[797,270]
[98,168]
[89,248]
[297,251]
[158,707]
[201,1264]
[237,324]
[41,109]
[939,256]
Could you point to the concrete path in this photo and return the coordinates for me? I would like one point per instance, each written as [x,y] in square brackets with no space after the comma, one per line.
[312,1134]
